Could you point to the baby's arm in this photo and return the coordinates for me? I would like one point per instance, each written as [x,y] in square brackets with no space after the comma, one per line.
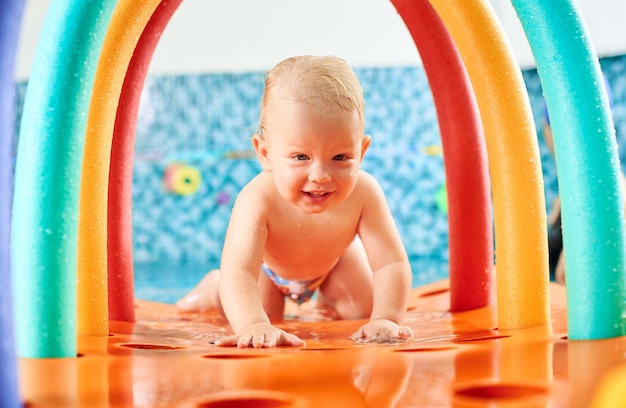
[243,307]
[390,302]
[238,288]
[390,265]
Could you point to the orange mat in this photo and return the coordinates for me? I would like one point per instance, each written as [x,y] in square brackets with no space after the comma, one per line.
[454,360]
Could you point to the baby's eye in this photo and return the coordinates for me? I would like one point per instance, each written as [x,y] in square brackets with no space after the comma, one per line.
[341,157]
[301,157]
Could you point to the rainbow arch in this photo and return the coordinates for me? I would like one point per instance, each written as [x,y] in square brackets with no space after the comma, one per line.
[112,43]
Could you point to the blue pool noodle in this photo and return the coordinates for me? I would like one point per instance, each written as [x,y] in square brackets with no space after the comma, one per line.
[588,166]
[47,176]
[10,19]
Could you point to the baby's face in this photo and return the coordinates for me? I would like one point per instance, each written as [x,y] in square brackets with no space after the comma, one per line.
[315,153]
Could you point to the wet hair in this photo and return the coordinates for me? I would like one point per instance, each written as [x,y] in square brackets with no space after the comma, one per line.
[325,80]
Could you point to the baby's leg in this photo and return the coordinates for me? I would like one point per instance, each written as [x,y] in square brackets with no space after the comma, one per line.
[204,296]
[348,289]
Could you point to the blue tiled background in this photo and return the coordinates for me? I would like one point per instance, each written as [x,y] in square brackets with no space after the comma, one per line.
[206,121]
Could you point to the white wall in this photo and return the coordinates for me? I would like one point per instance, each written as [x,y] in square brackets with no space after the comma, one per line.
[244,35]
[605,21]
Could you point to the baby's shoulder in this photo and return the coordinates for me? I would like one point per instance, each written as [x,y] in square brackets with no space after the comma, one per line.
[367,183]
[253,201]
[258,190]
[368,192]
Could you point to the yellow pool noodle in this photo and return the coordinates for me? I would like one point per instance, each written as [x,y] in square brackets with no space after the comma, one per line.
[129,19]
[514,162]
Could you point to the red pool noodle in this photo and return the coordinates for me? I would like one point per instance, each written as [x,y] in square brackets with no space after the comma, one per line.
[119,217]
[465,157]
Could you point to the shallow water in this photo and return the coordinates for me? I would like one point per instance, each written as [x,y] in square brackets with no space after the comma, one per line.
[167,282]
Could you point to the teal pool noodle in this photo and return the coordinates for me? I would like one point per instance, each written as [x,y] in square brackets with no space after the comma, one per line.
[47,177]
[587,164]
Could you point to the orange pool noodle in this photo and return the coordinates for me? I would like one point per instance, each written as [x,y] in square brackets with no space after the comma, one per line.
[127,23]
[514,162]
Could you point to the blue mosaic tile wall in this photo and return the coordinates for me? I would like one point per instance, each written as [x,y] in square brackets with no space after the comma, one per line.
[614,69]
[206,121]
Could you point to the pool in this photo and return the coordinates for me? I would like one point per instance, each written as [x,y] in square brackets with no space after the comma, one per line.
[166,282]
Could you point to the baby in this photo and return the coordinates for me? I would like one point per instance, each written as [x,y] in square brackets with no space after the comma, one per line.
[311,220]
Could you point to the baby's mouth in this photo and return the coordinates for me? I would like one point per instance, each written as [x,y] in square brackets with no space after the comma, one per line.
[316,194]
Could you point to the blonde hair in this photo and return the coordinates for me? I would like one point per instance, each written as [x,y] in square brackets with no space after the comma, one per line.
[311,79]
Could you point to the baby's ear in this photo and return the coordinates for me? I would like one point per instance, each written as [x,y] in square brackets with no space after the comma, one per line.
[365,144]
[262,151]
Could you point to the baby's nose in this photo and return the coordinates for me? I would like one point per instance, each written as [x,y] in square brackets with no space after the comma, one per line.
[319,174]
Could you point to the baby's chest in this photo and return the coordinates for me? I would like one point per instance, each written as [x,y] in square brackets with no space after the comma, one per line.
[306,241]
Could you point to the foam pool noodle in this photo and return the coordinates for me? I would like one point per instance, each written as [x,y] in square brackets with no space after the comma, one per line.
[514,162]
[127,24]
[119,215]
[47,177]
[465,158]
[587,165]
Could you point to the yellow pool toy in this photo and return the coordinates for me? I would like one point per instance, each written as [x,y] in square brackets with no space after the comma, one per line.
[182,179]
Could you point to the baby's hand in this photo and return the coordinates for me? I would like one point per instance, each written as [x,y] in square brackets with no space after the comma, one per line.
[260,335]
[382,331]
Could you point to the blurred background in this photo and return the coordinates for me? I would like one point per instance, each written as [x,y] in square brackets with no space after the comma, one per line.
[200,106]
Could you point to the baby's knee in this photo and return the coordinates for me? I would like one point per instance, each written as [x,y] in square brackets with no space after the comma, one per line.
[354,314]
[203,297]
[349,308]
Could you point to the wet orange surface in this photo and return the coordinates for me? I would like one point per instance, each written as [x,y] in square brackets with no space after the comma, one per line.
[454,360]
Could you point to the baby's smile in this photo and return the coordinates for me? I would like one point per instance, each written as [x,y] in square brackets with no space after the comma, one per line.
[316,193]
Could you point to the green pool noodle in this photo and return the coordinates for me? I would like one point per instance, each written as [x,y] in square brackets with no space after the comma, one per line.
[587,163]
[47,177]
